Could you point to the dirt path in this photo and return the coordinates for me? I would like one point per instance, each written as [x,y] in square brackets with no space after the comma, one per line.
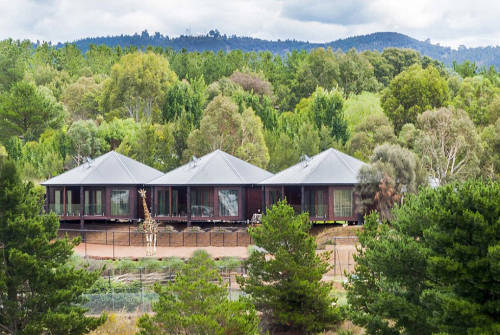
[106,251]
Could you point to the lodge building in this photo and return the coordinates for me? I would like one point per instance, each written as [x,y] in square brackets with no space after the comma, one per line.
[217,187]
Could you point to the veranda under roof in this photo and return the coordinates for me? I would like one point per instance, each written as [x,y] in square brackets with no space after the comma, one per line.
[111,168]
[328,167]
[215,168]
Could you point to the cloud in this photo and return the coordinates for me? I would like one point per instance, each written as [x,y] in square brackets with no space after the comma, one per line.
[450,22]
[330,12]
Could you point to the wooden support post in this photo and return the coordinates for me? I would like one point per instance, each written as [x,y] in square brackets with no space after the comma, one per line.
[188,205]
[263,202]
[81,211]
[64,201]
[170,201]
[153,201]
[243,208]
[302,199]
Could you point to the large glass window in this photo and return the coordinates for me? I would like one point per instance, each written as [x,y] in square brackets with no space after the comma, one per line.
[93,202]
[175,202]
[316,203]
[342,200]
[163,203]
[228,203]
[69,202]
[201,202]
[120,203]
[58,203]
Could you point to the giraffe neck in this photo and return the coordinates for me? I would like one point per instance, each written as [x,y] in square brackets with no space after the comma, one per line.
[146,211]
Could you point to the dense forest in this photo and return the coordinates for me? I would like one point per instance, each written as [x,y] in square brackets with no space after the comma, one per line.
[215,41]
[415,120]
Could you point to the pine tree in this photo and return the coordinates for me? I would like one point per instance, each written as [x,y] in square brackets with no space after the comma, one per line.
[284,274]
[197,303]
[39,292]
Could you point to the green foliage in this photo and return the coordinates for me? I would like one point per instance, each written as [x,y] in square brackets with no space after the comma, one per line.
[284,275]
[151,144]
[222,127]
[449,145]
[327,109]
[412,92]
[183,97]
[40,293]
[197,303]
[14,57]
[369,133]
[490,158]
[475,96]
[81,98]
[435,268]
[25,111]
[137,85]
[356,74]
[358,107]
[392,172]
[84,141]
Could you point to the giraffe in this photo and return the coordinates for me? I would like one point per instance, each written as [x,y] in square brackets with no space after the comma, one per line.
[150,226]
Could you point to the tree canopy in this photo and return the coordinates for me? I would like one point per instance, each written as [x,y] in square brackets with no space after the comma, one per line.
[434,269]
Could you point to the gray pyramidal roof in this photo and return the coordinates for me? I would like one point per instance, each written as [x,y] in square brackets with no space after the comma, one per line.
[215,168]
[109,169]
[328,167]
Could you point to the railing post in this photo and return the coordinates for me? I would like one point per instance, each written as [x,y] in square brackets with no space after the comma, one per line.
[106,236]
[142,296]
[129,236]
[113,245]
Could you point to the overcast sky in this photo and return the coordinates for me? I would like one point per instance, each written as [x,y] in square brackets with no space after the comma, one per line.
[448,22]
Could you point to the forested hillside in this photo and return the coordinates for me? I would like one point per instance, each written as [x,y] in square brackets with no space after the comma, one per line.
[215,41]
[411,117]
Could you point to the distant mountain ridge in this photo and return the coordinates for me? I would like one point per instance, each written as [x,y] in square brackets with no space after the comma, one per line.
[214,41]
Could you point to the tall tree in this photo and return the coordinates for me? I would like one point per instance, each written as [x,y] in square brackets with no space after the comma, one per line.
[449,145]
[137,84]
[412,92]
[393,172]
[222,127]
[25,111]
[183,97]
[356,73]
[197,303]
[435,268]
[373,131]
[84,141]
[81,98]
[14,57]
[284,274]
[39,292]
[475,96]
[326,108]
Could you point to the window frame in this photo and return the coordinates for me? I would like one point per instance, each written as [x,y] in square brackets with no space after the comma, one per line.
[238,204]
[336,210]
[129,202]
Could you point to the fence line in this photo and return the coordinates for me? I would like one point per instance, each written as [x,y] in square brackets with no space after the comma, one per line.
[164,238]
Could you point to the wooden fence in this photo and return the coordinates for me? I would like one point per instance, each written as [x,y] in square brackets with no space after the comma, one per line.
[164,238]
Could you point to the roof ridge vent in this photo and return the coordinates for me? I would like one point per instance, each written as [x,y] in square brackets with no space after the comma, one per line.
[194,162]
[89,162]
[305,160]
